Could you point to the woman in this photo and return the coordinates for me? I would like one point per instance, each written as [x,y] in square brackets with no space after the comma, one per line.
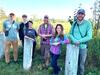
[56,41]
[29,44]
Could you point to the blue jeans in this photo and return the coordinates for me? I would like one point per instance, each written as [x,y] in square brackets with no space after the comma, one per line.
[81,61]
[54,59]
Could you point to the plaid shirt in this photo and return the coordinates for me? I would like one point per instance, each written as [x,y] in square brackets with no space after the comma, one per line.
[47,30]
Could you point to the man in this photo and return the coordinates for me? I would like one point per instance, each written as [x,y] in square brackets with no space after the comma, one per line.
[23,25]
[80,34]
[11,30]
[45,32]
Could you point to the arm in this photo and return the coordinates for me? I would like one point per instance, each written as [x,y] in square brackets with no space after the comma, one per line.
[18,27]
[36,34]
[51,32]
[4,26]
[39,31]
[65,41]
[54,43]
[71,35]
[89,34]
[51,41]
[29,38]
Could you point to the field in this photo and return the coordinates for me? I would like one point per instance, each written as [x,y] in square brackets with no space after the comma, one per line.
[92,63]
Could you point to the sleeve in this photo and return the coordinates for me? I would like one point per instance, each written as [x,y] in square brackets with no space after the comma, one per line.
[89,34]
[65,40]
[36,33]
[71,35]
[18,26]
[4,25]
[51,40]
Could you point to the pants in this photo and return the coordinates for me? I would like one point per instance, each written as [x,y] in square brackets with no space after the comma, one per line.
[34,46]
[15,53]
[54,64]
[81,61]
[45,54]
[45,51]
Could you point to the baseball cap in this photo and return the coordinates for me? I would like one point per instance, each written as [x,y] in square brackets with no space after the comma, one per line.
[81,11]
[46,17]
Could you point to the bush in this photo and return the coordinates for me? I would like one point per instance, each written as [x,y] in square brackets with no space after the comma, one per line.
[93,58]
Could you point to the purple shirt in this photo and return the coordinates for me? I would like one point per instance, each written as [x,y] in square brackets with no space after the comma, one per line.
[57,49]
[45,30]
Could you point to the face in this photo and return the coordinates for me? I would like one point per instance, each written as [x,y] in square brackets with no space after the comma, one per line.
[80,16]
[30,24]
[11,17]
[24,18]
[59,30]
[45,20]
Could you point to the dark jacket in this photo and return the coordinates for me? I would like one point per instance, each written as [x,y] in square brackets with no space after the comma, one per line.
[22,27]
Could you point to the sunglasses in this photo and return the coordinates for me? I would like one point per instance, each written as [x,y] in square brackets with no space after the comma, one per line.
[80,13]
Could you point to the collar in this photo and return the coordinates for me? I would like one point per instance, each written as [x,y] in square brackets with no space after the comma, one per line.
[80,22]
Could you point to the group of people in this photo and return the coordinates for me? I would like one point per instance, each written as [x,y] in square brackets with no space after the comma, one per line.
[51,39]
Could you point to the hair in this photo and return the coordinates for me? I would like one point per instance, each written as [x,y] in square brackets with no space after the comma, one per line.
[61,35]
[46,17]
[30,22]
[24,15]
[12,14]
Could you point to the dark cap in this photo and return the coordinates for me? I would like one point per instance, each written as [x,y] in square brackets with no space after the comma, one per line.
[81,11]
[24,15]
[46,17]
[12,14]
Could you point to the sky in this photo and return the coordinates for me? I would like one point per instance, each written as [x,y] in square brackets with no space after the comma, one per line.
[59,9]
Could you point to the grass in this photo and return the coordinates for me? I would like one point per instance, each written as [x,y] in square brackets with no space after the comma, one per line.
[17,68]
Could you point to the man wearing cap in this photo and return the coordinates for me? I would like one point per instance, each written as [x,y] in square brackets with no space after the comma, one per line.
[11,30]
[80,34]
[23,25]
[45,31]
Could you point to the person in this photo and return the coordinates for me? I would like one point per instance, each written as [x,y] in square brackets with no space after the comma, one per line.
[22,26]
[30,34]
[70,20]
[55,50]
[11,32]
[80,34]
[2,42]
[45,31]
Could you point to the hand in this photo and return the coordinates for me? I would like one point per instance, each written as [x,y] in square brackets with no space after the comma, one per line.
[77,43]
[29,38]
[43,36]
[56,43]
[26,37]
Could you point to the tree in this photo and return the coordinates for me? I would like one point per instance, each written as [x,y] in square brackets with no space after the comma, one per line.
[96,14]
[2,14]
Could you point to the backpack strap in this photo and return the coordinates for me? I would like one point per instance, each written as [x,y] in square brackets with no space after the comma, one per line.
[74,27]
